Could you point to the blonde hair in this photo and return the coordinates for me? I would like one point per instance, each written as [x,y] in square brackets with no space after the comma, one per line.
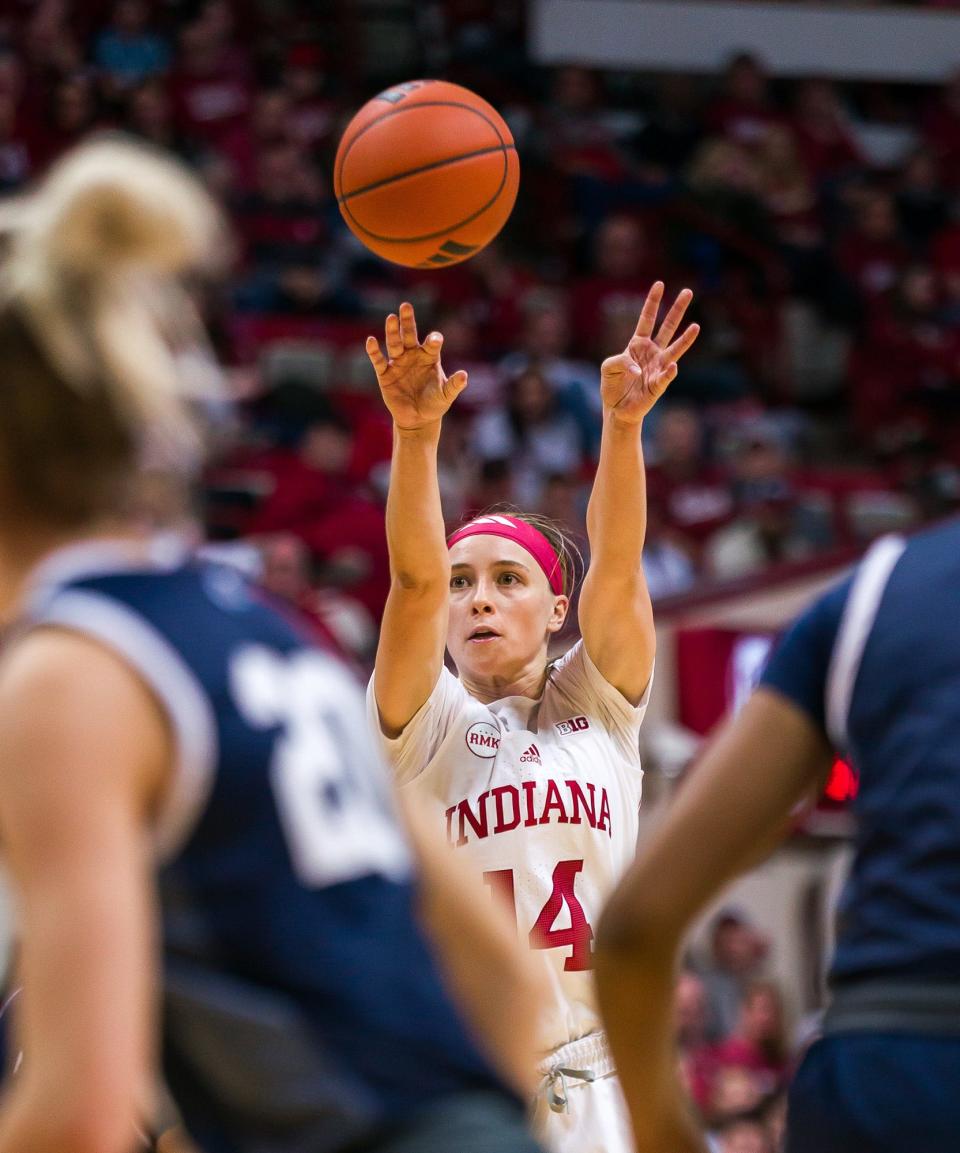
[95,324]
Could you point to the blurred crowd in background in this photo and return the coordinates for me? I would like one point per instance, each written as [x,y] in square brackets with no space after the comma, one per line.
[737,1046]
[817,222]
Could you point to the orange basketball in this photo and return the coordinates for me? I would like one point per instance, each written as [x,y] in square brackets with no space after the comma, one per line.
[426,174]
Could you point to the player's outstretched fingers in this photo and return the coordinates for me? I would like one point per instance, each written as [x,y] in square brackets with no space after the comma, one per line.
[433,345]
[408,326]
[394,341]
[651,306]
[671,322]
[377,359]
[682,344]
[458,382]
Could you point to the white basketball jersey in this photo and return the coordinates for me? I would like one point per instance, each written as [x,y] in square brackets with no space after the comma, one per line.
[543,796]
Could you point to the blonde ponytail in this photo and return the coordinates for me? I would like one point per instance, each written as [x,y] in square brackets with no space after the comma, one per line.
[94,258]
[92,278]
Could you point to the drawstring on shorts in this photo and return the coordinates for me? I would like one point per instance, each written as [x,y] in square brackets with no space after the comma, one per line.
[586,1060]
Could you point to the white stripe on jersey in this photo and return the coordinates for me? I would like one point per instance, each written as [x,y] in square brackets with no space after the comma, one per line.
[859,613]
[134,639]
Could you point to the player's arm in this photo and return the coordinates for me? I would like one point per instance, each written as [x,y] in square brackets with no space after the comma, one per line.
[747,782]
[82,753]
[413,632]
[494,981]
[616,616]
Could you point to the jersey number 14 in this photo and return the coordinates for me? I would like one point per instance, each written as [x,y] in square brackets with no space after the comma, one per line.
[544,935]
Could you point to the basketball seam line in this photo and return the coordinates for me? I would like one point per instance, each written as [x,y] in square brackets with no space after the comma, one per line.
[338,168]
[424,168]
[345,208]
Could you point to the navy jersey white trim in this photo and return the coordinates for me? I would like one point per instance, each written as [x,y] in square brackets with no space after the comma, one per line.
[287,895]
[859,614]
[894,703]
[170,679]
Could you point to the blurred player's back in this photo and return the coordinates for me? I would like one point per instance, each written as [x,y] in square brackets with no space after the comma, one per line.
[303,1008]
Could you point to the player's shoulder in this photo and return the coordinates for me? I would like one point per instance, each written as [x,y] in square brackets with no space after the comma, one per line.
[939,544]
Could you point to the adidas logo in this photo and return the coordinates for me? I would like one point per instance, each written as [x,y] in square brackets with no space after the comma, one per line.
[531,755]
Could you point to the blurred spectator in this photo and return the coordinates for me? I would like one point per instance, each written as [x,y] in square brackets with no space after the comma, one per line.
[770,527]
[531,430]
[620,276]
[922,203]
[286,568]
[759,1041]
[149,115]
[128,51]
[51,45]
[314,492]
[493,486]
[462,346]
[667,566]
[212,84]
[71,114]
[743,111]
[456,468]
[820,128]
[286,574]
[787,193]
[312,112]
[547,333]
[670,135]
[737,952]
[871,252]
[907,366]
[283,223]
[694,1047]
[763,535]
[693,492]
[577,131]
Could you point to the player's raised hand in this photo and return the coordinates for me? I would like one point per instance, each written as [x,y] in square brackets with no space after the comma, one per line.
[412,382]
[633,382]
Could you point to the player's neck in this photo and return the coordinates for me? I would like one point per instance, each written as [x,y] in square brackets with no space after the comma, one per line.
[24,549]
[526,682]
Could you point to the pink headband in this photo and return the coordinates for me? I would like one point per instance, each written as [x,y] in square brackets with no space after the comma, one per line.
[523,534]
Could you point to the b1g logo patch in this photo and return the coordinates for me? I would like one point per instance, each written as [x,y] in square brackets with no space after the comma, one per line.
[572,725]
[483,739]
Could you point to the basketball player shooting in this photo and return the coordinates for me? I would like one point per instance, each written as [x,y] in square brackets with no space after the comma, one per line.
[534,762]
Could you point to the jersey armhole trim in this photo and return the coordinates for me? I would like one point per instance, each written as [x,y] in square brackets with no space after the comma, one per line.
[857,619]
[174,685]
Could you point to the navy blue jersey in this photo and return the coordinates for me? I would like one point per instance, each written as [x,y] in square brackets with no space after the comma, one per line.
[876,663]
[303,1009]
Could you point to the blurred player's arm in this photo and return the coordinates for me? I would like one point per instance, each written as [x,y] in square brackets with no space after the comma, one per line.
[615,613]
[175,1141]
[496,984]
[75,786]
[417,394]
[737,799]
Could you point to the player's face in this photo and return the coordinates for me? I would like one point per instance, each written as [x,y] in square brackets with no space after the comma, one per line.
[502,609]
